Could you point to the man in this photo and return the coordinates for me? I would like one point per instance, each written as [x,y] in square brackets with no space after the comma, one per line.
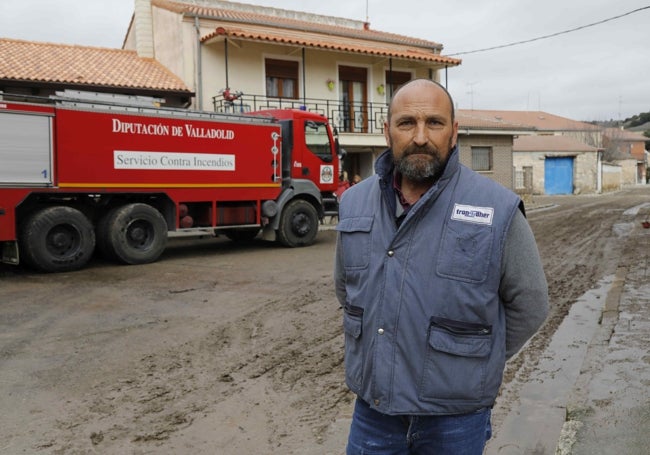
[440,280]
[344,184]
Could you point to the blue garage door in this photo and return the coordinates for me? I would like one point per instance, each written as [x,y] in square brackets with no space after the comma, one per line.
[558,175]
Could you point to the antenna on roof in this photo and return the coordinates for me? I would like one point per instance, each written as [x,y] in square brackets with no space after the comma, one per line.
[367,17]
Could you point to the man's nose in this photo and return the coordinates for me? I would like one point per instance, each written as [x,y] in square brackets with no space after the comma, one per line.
[420,135]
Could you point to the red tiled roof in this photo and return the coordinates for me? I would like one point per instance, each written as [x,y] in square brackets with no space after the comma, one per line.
[550,144]
[29,61]
[476,120]
[336,43]
[324,34]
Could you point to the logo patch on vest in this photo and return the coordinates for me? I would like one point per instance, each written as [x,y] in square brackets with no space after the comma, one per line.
[471,214]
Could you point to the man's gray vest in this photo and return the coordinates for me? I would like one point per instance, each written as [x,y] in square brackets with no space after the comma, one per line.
[424,325]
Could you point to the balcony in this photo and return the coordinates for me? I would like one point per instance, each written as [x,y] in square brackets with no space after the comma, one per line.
[357,118]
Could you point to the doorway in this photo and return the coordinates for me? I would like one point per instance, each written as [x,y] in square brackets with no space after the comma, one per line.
[558,175]
[353,98]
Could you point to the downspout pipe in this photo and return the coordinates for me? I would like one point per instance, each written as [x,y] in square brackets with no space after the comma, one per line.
[199,65]
[390,78]
[304,79]
[599,171]
[225,50]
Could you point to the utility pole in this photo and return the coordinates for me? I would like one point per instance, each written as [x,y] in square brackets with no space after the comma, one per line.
[471,92]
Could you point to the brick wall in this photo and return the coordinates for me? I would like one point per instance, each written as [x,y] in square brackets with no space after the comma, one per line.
[502,166]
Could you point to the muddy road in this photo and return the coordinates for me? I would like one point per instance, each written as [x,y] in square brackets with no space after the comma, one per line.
[230,348]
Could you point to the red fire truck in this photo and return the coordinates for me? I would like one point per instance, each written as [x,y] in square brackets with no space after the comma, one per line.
[79,172]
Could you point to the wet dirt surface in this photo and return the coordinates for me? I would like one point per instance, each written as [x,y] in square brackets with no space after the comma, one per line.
[235,348]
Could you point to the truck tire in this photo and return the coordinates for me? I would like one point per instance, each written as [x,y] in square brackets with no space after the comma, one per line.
[298,224]
[57,239]
[132,234]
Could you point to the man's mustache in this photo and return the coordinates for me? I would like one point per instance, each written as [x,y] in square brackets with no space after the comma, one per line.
[422,149]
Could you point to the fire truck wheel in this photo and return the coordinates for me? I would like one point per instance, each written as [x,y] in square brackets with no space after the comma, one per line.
[132,234]
[298,224]
[57,239]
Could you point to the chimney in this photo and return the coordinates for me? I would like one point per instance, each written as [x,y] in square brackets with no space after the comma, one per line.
[143,21]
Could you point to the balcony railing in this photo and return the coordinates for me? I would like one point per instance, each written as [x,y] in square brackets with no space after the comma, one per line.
[355,117]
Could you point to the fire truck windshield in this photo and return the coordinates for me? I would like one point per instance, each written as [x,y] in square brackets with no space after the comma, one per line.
[317,140]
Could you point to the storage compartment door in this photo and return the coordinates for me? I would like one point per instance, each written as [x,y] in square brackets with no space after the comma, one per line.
[25,149]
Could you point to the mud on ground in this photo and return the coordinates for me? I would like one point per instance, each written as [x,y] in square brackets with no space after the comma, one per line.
[226,348]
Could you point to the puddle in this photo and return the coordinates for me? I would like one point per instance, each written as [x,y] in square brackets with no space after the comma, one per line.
[634,211]
[533,424]
[623,229]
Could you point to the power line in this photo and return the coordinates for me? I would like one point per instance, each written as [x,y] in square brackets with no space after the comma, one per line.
[549,36]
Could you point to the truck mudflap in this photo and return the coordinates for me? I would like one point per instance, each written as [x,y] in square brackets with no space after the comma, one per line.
[10,254]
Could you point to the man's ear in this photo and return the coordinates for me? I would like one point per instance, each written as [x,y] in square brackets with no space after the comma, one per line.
[386,134]
[455,133]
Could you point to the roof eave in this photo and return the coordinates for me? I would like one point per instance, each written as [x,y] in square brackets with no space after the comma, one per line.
[56,84]
[221,33]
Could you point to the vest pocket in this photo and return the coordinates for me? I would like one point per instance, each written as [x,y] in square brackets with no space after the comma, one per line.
[465,252]
[355,241]
[352,323]
[456,360]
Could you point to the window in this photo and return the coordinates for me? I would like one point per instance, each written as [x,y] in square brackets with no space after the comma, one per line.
[519,179]
[281,78]
[482,158]
[353,98]
[317,140]
[394,80]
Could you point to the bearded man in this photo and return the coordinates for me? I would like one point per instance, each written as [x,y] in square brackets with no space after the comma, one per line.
[440,281]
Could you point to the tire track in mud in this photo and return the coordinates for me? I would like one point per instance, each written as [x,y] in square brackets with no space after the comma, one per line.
[286,345]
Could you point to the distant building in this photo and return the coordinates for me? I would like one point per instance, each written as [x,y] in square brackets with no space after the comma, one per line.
[557,164]
[565,156]
[620,144]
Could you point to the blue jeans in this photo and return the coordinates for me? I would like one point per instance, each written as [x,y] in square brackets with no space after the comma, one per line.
[373,433]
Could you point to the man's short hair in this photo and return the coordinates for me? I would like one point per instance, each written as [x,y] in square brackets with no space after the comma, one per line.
[451,101]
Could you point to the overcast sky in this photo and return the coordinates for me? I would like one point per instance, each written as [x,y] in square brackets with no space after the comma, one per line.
[600,72]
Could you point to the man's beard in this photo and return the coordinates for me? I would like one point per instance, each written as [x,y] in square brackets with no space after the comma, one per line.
[422,164]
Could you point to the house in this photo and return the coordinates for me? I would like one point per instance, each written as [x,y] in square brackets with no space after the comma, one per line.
[557,164]
[269,57]
[628,146]
[559,155]
[29,68]
[486,145]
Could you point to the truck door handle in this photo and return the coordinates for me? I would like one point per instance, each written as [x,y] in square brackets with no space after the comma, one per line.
[305,171]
